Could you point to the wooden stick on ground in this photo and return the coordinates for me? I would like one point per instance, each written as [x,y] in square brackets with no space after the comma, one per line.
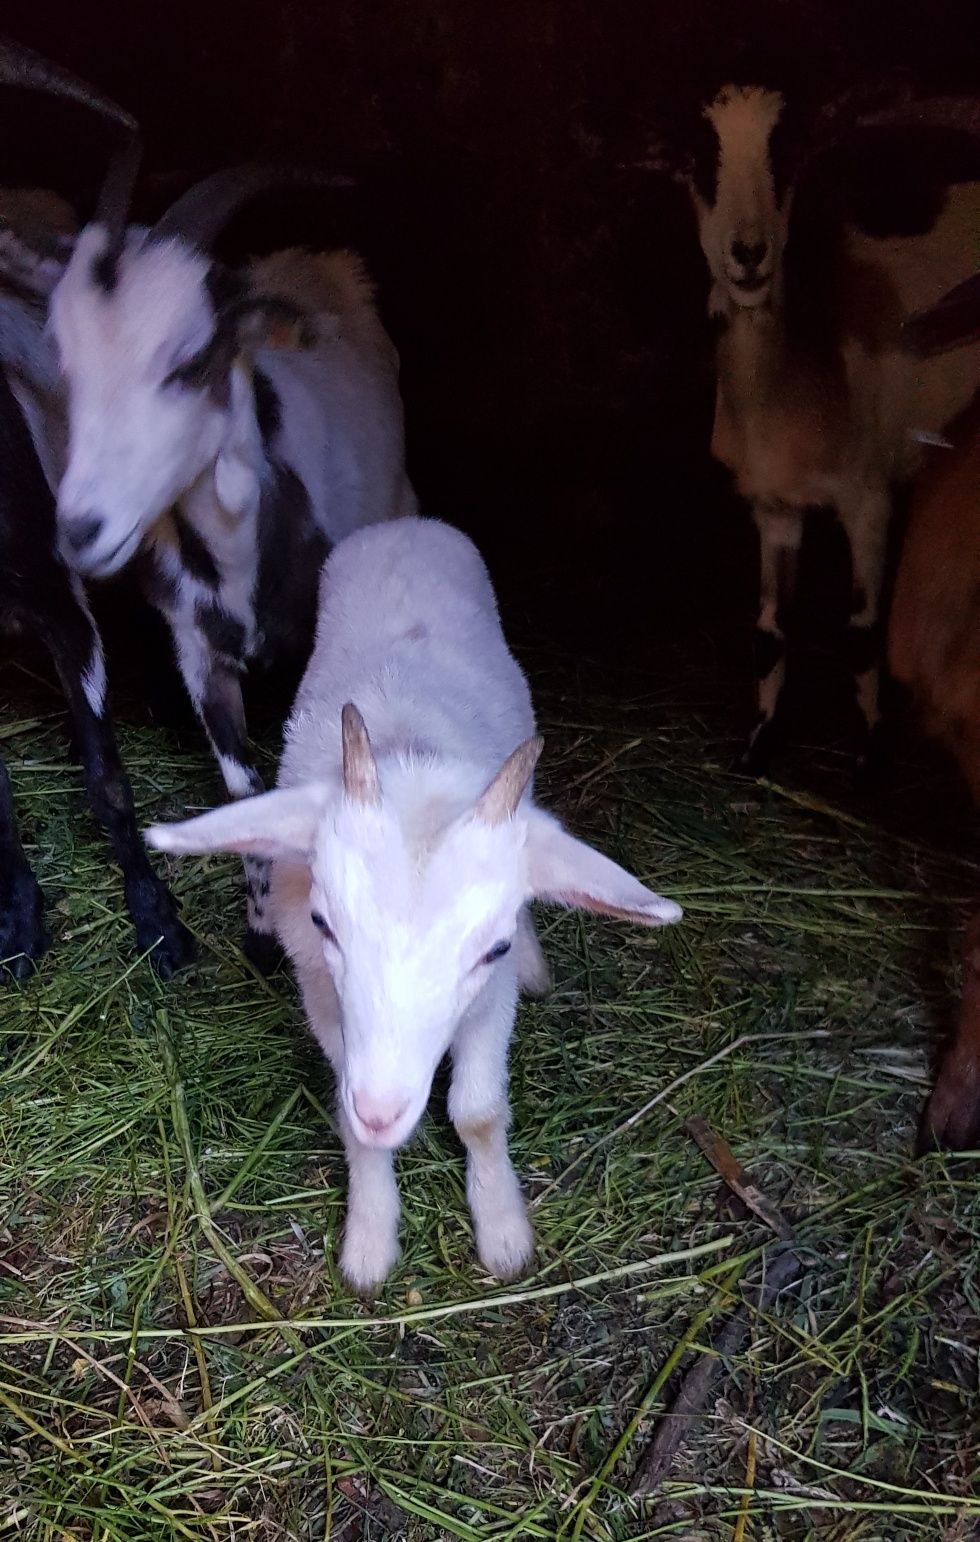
[780,1267]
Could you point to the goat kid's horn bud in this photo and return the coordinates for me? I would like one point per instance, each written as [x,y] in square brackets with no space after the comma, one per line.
[360,771]
[500,800]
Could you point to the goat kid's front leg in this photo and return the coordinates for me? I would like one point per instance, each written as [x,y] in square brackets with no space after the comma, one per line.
[780,535]
[370,1249]
[865,522]
[22,935]
[479,1109]
[76,648]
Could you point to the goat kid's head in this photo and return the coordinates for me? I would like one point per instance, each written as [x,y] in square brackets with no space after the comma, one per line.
[149,329]
[737,163]
[414,906]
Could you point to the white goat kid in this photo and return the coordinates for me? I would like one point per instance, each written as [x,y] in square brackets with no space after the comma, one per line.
[227,464]
[403,865]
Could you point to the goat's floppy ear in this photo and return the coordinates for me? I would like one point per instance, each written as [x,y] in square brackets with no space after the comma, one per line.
[268,321]
[279,824]
[265,321]
[569,872]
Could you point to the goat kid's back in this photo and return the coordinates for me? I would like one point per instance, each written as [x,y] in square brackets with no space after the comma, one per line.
[408,628]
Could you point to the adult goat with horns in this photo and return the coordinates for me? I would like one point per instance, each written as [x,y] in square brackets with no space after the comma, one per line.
[817,404]
[37,592]
[220,461]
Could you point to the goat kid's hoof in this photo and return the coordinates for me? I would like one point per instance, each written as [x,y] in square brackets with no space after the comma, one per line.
[507,1247]
[367,1257]
[263,951]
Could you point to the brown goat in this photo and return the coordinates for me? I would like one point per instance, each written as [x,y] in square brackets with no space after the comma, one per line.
[934,649]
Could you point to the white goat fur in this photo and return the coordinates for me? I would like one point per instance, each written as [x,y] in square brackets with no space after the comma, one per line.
[137,447]
[142,445]
[416,889]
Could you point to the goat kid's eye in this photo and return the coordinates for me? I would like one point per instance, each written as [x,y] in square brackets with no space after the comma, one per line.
[497,951]
[321,925]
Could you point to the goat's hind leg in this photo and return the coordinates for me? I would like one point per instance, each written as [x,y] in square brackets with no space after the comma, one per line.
[223,714]
[211,671]
[22,935]
[76,648]
[780,530]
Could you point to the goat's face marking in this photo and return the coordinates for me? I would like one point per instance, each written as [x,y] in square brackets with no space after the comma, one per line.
[743,221]
[138,437]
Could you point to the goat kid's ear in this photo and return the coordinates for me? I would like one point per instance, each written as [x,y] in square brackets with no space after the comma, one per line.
[278,825]
[568,872]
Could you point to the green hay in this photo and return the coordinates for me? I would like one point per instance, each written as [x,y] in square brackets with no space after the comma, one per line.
[178,1355]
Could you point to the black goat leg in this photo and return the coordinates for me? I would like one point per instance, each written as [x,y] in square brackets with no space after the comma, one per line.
[22,934]
[76,648]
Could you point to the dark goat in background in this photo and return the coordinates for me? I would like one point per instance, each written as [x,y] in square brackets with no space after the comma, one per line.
[818,404]
[37,593]
[934,650]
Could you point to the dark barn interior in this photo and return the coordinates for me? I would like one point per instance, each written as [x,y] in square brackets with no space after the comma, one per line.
[547,294]
[545,290]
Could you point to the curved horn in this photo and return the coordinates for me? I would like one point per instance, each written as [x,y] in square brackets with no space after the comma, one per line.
[360,772]
[499,801]
[952,322]
[20,66]
[200,214]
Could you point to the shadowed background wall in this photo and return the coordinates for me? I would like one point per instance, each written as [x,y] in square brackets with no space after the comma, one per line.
[547,295]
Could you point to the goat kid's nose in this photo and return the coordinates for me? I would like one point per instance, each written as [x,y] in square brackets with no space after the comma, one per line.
[749,254]
[79,534]
[379,1114]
